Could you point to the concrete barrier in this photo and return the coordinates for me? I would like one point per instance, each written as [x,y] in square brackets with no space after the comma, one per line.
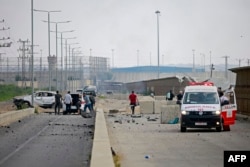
[101,151]
[158,104]
[12,116]
[169,113]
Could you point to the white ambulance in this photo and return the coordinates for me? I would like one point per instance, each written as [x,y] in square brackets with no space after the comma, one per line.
[201,108]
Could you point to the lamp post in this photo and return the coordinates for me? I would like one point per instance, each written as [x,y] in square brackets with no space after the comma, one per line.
[57,49]
[61,87]
[158,43]
[68,59]
[32,54]
[66,52]
[74,68]
[48,37]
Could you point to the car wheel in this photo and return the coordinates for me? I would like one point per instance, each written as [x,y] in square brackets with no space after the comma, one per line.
[25,104]
[183,129]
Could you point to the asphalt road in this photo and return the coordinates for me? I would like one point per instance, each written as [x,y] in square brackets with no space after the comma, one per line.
[47,140]
[144,142]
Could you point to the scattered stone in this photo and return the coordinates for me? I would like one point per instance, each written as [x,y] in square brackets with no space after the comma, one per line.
[114,111]
[111,115]
[151,119]
[136,116]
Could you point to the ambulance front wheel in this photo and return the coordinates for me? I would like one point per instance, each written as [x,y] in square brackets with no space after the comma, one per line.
[226,128]
[183,129]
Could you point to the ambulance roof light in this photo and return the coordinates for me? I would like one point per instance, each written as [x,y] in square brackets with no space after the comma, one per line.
[201,83]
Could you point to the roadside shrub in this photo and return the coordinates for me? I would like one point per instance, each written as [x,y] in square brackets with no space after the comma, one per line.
[7,92]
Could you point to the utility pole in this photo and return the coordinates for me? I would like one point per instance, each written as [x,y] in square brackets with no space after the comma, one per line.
[226,73]
[248,62]
[23,58]
[5,40]
[1,60]
[211,70]
[5,43]
[239,61]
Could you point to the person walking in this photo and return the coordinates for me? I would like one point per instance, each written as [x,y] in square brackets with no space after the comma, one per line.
[58,102]
[133,101]
[87,103]
[92,100]
[68,101]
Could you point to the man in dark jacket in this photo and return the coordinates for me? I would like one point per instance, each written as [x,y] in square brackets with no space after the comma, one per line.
[170,95]
[58,102]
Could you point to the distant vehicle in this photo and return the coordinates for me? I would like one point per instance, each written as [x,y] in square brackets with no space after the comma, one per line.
[77,101]
[45,99]
[90,89]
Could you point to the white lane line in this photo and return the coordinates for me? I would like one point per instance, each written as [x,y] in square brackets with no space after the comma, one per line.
[24,144]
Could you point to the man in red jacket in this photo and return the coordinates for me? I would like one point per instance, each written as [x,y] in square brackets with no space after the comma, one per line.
[133,101]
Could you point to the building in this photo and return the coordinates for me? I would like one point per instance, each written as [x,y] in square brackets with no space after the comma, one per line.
[242,89]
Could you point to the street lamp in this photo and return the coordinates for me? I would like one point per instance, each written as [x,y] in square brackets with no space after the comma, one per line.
[32,52]
[74,64]
[57,49]
[48,37]
[62,55]
[71,64]
[61,86]
[67,60]
[158,41]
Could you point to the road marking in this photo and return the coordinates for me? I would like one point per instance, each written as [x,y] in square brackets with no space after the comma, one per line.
[25,143]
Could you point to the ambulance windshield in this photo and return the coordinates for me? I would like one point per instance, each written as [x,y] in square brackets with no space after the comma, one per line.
[201,98]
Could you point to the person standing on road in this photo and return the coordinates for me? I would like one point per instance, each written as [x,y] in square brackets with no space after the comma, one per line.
[87,102]
[92,100]
[170,95]
[58,102]
[179,97]
[133,101]
[223,99]
[68,101]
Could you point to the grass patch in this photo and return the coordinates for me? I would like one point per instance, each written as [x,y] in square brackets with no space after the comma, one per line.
[7,92]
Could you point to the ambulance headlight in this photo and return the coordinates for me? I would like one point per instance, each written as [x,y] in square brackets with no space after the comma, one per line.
[217,112]
[184,112]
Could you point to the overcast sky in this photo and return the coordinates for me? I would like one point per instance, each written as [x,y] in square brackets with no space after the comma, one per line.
[130,28]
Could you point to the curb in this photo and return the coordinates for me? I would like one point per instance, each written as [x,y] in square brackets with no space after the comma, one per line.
[101,150]
[10,117]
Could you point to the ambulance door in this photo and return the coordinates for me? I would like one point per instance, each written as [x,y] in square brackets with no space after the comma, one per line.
[228,111]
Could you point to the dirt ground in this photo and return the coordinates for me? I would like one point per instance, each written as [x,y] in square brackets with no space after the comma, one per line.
[6,106]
